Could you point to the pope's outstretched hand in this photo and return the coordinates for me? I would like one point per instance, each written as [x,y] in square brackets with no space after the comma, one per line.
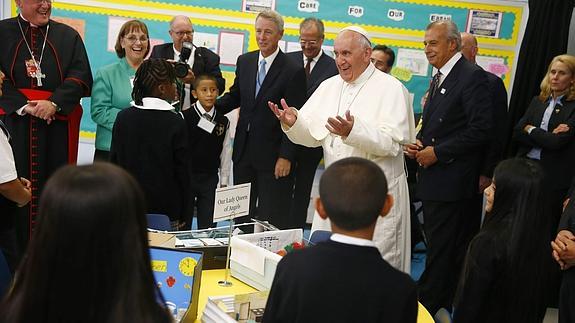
[286,114]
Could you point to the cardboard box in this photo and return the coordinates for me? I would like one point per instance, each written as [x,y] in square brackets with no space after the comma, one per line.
[165,240]
[253,257]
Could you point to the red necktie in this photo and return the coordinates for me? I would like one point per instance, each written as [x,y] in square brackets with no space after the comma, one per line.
[308,66]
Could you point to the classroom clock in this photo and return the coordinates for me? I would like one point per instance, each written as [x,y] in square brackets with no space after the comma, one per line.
[187,266]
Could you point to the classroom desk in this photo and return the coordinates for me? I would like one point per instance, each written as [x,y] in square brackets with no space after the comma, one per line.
[210,287]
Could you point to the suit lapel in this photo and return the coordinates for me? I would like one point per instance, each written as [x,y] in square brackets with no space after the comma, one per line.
[315,74]
[169,51]
[251,71]
[198,61]
[443,91]
[272,74]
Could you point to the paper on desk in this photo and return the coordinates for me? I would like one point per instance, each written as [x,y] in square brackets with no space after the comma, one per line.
[274,240]
[249,255]
[210,242]
[251,250]
[190,243]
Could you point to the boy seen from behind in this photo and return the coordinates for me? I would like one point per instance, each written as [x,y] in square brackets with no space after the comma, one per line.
[344,279]
[210,150]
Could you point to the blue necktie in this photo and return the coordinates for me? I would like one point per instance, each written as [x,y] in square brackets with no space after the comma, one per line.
[261,76]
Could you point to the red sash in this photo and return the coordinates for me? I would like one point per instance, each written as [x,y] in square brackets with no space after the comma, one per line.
[72,119]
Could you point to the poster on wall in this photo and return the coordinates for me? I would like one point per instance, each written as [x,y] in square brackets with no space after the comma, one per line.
[484,23]
[114,25]
[413,60]
[227,28]
[231,47]
[258,5]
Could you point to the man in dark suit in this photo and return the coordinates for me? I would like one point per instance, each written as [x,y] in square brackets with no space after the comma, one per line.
[318,67]
[202,60]
[457,123]
[263,155]
[564,253]
[494,152]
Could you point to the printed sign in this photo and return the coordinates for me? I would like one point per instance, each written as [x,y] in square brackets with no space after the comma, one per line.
[396,15]
[232,202]
[308,6]
[436,17]
[484,23]
[355,11]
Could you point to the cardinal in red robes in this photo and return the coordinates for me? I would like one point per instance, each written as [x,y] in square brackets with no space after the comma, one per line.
[47,73]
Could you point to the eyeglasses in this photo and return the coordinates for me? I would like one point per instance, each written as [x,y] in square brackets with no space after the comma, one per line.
[133,39]
[308,42]
[183,33]
[41,2]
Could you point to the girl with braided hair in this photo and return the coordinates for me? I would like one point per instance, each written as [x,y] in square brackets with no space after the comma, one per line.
[149,140]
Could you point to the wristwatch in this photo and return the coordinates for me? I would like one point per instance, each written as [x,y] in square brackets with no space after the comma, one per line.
[58,109]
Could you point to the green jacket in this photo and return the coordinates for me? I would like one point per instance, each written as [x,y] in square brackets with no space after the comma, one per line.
[111,93]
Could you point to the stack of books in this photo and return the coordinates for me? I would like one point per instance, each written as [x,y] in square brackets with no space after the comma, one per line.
[243,308]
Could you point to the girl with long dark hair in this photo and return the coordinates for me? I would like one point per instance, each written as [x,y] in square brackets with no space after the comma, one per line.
[88,260]
[507,263]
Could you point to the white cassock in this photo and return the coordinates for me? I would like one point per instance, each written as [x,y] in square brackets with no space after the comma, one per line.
[383,122]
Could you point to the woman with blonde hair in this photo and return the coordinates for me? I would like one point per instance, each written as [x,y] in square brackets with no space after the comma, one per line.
[545,133]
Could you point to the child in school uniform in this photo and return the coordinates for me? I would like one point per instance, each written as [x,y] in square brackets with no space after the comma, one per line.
[210,150]
[344,279]
[15,192]
[150,140]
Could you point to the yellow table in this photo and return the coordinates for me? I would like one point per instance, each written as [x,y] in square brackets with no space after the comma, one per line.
[210,287]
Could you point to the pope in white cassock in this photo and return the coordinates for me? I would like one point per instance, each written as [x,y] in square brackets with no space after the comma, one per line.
[361,112]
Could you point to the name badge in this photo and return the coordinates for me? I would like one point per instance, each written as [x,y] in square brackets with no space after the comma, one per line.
[206,125]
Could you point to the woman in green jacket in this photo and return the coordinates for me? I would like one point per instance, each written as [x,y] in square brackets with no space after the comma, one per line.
[112,89]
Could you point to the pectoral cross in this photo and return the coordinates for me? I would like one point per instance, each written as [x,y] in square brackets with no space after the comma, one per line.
[39,76]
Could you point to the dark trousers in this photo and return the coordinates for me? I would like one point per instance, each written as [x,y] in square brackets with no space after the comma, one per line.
[448,226]
[273,196]
[567,297]
[10,248]
[203,189]
[306,163]
[101,155]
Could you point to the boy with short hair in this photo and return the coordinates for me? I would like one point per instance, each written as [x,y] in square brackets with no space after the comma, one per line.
[344,279]
[210,149]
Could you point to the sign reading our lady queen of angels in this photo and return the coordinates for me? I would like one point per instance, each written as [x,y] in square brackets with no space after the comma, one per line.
[232,202]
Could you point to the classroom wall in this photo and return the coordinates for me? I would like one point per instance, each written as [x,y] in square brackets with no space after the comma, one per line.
[226,27]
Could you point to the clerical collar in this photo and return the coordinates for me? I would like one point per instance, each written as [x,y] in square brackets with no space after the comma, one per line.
[31,24]
[364,76]
[342,238]
[151,103]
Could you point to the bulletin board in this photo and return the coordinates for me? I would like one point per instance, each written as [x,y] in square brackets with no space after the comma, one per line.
[226,27]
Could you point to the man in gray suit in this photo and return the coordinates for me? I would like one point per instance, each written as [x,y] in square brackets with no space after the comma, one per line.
[318,67]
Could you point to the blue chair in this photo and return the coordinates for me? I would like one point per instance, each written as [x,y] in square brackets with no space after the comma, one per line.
[319,236]
[5,276]
[159,222]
